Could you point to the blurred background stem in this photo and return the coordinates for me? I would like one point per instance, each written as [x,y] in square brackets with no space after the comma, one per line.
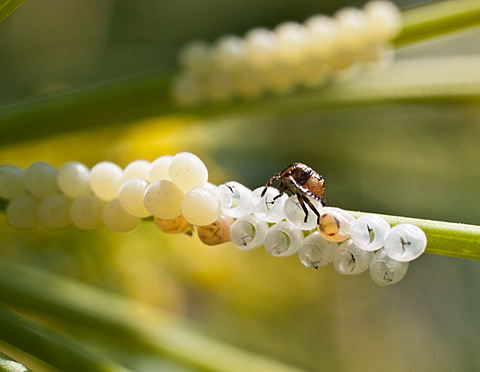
[7,7]
[125,101]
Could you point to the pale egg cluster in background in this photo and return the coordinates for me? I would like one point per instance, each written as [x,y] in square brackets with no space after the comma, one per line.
[289,56]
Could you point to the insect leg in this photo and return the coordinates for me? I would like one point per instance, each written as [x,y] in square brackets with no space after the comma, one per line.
[310,204]
[283,187]
[281,190]
[269,183]
[301,200]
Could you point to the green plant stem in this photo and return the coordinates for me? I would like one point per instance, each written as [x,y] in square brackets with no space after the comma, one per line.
[7,7]
[123,102]
[436,19]
[443,238]
[136,324]
[48,347]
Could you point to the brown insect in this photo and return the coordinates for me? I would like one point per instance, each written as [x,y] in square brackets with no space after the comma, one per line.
[302,181]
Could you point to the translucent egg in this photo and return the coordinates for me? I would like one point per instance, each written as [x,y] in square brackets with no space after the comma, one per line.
[261,46]
[218,87]
[11,366]
[105,180]
[41,179]
[248,232]
[352,29]
[86,212]
[234,199]
[296,216]
[137,169]
[200,206]
[335,224]
[130,196]
[187,171]
[369,231]
[229,53]
[248,83]
[280,79]
[217,232]
[163,199]
[315,251]
[313,73]
[283,239]
[405,242]
[265,207]
[12,181]
[117,219]
[53,211]
[384,270]
[196,57]
[21,212]
[211,187]
[73,179]
[376,57]
[384,20]
[348,259]
[292,41]
[175,225]
[159,168]
[323,34]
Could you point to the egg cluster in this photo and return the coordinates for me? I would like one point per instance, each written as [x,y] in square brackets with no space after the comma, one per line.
[352,245]
[289,56]
[176,192]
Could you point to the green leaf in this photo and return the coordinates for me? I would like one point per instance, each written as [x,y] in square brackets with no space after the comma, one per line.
[7,7]
[138,325]
[48,347]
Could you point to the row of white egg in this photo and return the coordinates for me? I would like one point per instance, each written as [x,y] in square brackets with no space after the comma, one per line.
[228,212]
[90,198]
[291,55]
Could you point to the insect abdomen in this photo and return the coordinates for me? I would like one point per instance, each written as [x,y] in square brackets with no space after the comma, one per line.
[314,187]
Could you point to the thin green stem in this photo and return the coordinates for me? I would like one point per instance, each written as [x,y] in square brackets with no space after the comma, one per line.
[48,347]
[7,7]
[436,19]
[444,238]
[149,96]
[136,324]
